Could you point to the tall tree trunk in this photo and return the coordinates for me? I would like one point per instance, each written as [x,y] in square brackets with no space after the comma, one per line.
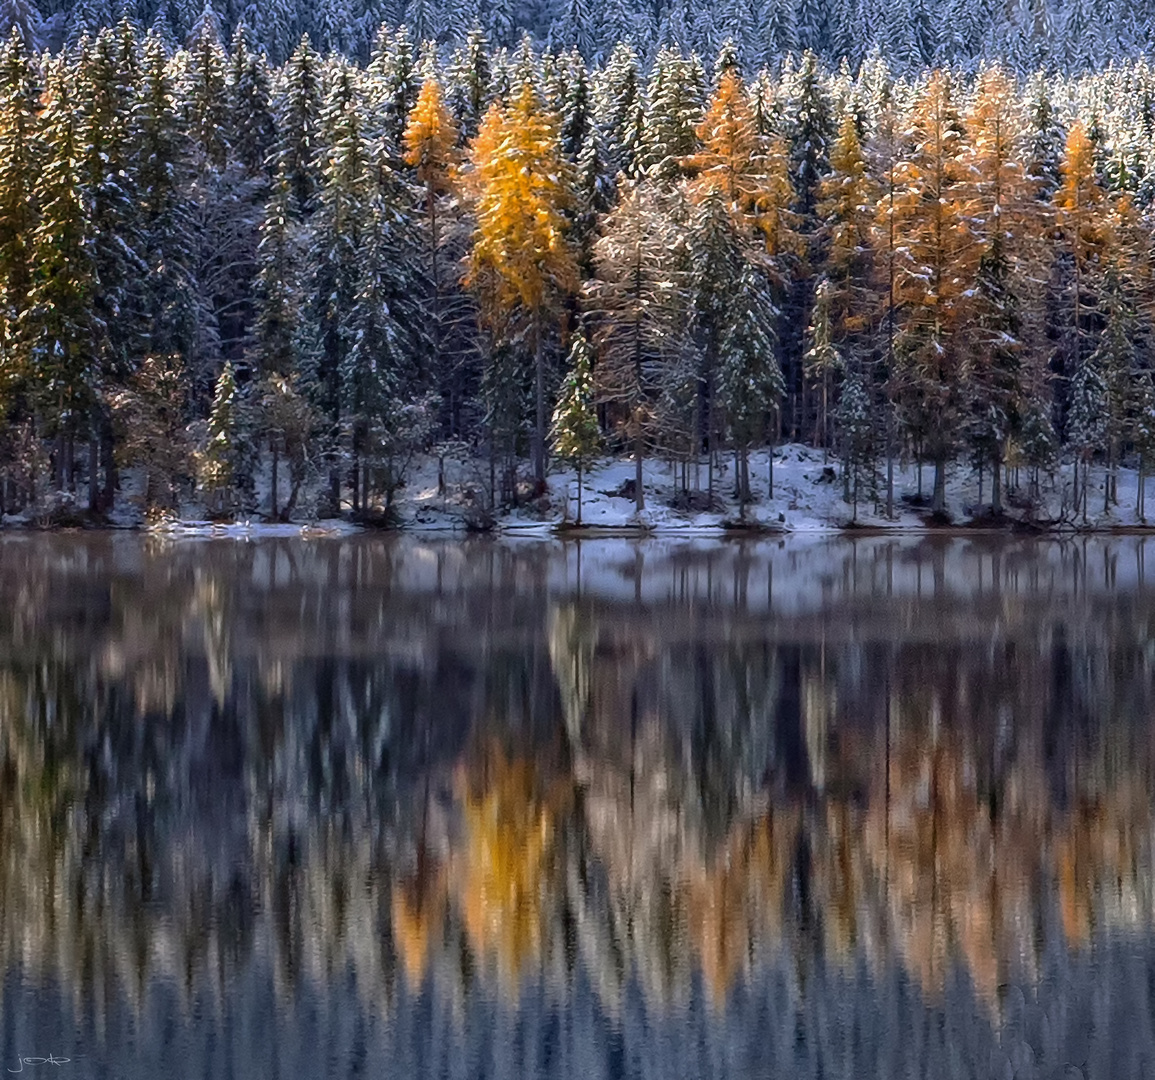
[938,503]
[997,487]
[639,450]
[579,482]
[273,484]
[539,394]
[93,473]
[108,453]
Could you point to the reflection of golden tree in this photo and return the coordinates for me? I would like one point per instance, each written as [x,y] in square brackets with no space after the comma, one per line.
[505,872]
[735,898]
[418,910]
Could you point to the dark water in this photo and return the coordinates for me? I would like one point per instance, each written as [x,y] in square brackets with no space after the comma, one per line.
[319,809]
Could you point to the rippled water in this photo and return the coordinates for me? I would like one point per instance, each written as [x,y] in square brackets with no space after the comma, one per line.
[836,808]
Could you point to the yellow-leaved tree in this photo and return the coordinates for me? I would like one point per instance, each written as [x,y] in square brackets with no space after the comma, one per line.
[935,261]
[522,265]
[750,170]
[431,150]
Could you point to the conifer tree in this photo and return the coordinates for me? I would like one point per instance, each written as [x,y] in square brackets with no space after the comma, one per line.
[335,260]
[749,380]
[521,264]
[278,304]
[1086,423]
[1005,219]
[21,157]
[65,332]
[253,129]
[673,112]
[637,293]
[469,82]
[936,253]
[1080,205]
[430,149]
[575,431]
[854,418]
[217,471]
[298,123]
[205,92]
[619,110]
[161,167]
[718,257]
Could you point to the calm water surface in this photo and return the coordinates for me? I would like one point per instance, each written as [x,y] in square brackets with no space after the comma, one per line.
[435,809]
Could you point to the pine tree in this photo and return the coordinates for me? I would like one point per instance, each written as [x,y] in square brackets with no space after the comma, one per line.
[339,231]
[673,113]
[1115,360]
[165,299]
[278,302]
[205,94]
[253,129]
[575,431]
[469,82]
[856,429]
[108,83]
[750,382]
[779,31]
[21,20]
[823,361]
[620,113]
[217,461]
[522,264]
[64,332]
[718,257]
[298,123]
[846,198]
[637,293]
[1086,422]
[21,157]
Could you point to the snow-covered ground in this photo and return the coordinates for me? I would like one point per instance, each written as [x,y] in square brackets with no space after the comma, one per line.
[807,498]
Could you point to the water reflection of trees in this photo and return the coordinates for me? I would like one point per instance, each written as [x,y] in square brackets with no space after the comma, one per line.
[306,757]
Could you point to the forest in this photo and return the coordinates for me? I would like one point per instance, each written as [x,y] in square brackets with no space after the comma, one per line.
[275,283]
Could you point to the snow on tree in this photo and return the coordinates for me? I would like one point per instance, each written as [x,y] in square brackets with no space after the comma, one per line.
[750,382]
[575,433]
[522,264]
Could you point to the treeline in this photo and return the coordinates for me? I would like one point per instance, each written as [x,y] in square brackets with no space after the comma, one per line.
[1066,35]
[214,268]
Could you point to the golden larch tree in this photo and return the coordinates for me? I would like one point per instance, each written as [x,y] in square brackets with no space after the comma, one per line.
[522,265]
[1081,210]
[936,257]
[431,150]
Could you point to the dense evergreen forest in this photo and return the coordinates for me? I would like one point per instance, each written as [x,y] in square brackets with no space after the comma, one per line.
[220,262]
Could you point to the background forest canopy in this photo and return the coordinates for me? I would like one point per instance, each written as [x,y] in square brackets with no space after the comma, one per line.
[219,261]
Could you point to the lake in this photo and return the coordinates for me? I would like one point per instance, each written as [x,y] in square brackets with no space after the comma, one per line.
[829,807]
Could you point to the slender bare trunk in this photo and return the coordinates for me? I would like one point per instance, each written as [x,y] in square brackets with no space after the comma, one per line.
[539,394]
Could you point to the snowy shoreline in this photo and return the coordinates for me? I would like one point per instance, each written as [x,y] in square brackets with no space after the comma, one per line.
[439,496]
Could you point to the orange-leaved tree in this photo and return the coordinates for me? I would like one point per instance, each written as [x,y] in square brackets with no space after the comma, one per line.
[935,262]
[522,265]
[1082,211]
[749,170]
[1007,220]
[430,149]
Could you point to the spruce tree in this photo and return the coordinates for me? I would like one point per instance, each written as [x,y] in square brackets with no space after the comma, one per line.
[750,382]
[21,160]
[575,433]
[65,333]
